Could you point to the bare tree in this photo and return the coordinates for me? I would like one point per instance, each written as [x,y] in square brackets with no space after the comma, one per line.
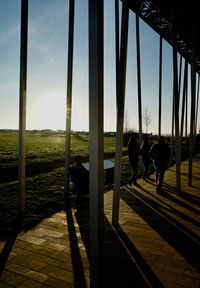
[147,118]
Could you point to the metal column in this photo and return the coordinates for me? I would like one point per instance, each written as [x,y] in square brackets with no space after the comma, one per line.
[22,105]
[160,88]
[193,98]
[117,48]
[139,77]
[183,99]
[69,97]
[192,123]
[197,104]
[96,43]
[120,111]
[176,118]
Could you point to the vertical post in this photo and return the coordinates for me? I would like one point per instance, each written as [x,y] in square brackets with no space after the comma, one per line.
[117,47]
[139,76]
[172,137]
[173,104]
[197,104]
[183,98]
[96,139]
[22,105]
[186,105]
[192,123]
[176,116]
[69,97]
[160,88]
[180,74]
[120,111]
[193,95]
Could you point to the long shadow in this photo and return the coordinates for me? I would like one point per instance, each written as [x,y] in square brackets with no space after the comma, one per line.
[181,241]
[119,269]
[182,194]
[148,272]
[165,193]
[171,210]
[192,198]
[79,277]
[189,197]
[7,249]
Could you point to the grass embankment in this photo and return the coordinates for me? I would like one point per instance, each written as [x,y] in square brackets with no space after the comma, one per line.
[45,154]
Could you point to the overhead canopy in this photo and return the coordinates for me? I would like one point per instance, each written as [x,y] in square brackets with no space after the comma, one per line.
[166,16]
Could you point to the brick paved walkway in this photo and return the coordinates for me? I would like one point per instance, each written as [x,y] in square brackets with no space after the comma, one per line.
[155,245]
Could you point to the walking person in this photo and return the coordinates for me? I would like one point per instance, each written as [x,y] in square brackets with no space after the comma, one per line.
[144,151]
[133,156]
[160,153]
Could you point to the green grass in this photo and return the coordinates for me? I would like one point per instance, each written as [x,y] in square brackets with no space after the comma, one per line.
[45,154]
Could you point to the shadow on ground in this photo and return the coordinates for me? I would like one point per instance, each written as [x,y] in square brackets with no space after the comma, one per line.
[182,239]
[123,265]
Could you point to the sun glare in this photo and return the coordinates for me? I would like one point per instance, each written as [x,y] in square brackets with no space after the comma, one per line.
[48,112]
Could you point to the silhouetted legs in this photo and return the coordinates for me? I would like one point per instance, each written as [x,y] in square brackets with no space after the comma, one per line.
[159,179]
[132,179]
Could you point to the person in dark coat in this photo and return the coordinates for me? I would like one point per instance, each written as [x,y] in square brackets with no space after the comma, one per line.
[133,156]
[160,153]
[80,178]
[144,151]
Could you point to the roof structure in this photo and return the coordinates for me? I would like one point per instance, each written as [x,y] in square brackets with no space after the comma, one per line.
[176,21]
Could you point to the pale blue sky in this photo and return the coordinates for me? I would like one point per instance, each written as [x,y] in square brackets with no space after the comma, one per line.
[47,62]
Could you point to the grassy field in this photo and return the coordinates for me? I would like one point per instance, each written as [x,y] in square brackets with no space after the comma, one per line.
[45,154]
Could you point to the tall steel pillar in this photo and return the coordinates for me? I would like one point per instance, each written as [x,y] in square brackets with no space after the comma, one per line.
[69,97]
[139,76]
[117,48]
[193,97]
[176,117]
[173,104]
[22,106]
[186,107]
[120,112]
[160,88]
[96,55]
[183,99]
[192,123]
[180,75]
[197,104]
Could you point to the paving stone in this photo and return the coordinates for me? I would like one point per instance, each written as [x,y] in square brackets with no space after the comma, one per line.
[31,239]
[169,261]
[58,273]
[192,274]
[28,263]
[20,269]
[175,270]
[5,285]
[21,251]
[12,278]
[169,285]
[64,256]
[40,277]
[54,246]
[177,279]
[29,283]
[53,282]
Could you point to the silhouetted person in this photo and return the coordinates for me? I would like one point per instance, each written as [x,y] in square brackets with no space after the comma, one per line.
[133,156]
[160,153]
[144,151]
[80,178]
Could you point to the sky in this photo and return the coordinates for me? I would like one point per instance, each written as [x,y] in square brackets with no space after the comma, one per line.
[47,68]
